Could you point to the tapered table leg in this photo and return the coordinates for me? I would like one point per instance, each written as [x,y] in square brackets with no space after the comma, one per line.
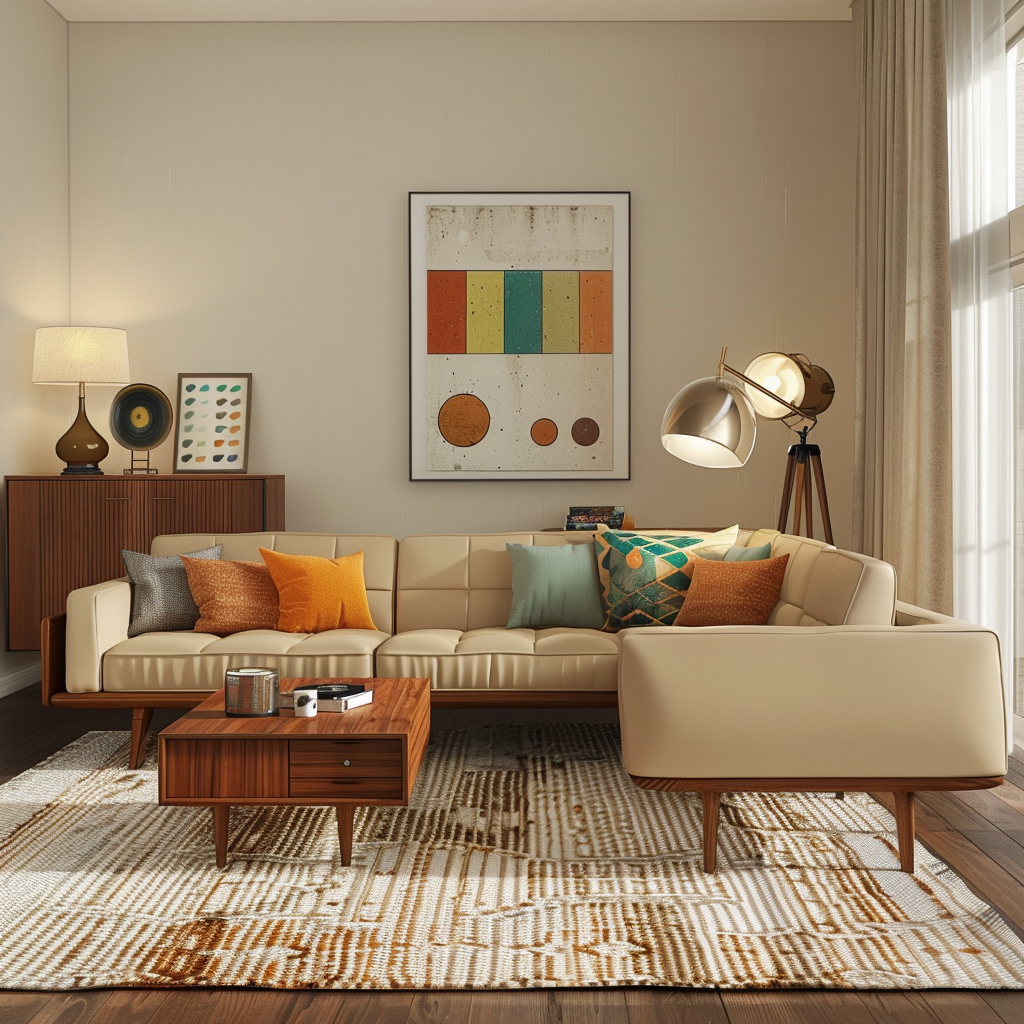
[221,813]
[141,720]
[905,829]
[711,802]
[346,814]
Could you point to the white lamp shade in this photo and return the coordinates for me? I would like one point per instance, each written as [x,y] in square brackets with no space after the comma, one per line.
[73,355]
[710,423]
[780,374]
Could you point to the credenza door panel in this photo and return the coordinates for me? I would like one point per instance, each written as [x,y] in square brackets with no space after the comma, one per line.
[68,532]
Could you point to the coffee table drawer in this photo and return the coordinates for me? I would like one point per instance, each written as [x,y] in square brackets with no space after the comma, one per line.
[344,759]
[332,790]
[345,769]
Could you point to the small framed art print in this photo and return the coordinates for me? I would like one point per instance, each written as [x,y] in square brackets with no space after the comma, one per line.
[519,335]
[212,423]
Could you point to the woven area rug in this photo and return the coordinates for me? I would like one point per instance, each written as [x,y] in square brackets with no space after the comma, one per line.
[527,858]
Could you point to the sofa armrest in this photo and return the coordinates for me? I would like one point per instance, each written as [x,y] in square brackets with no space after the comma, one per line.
[922,701]
[98,619]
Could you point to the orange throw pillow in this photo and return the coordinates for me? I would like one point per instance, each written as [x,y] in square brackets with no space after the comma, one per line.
[318,594]
[732,593]
[232,596]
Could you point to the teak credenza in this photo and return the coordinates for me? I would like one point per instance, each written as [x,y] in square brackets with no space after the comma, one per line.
[68,532]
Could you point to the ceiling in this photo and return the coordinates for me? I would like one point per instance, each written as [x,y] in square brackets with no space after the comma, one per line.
[452,10]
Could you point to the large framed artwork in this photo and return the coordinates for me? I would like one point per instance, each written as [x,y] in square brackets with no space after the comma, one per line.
[213,422]
[519,335]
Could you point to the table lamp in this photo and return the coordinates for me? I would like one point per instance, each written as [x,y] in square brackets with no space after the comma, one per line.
[712,422]
[81,355]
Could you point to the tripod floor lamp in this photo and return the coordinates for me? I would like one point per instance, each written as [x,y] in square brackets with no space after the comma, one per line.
[713,422]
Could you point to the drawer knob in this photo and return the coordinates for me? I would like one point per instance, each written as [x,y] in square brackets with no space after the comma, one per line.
[346,762]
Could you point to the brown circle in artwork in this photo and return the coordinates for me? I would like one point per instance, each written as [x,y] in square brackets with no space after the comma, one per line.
[544,432]
[585,431]
[463,420]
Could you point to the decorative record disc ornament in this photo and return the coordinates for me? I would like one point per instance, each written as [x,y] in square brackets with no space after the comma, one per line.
[140,419]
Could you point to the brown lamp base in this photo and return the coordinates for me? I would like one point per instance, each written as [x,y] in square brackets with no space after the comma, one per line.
[82,447]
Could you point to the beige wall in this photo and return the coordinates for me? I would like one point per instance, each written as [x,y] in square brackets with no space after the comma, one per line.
[33,246]
[239,196]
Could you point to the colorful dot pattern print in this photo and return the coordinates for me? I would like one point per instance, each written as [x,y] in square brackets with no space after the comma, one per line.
[213,415]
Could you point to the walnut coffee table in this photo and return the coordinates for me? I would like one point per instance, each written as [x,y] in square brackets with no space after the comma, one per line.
[369,755]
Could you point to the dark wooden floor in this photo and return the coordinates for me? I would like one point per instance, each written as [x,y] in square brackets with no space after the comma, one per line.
[980,834]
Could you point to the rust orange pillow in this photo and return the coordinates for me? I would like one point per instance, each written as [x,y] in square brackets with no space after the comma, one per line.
[732,593]
[232,596]
[317,594]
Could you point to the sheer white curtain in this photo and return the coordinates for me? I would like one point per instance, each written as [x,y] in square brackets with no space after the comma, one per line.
[904,495]
[978,125]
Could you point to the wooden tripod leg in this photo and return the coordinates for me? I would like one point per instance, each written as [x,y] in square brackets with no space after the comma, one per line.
[711,802]
[819,479]
[905,829]
[787,492]
[141,718]
[798,501]
[809,486]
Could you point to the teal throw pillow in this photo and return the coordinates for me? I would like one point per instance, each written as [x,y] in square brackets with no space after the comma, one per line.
[738,553]
[554,586]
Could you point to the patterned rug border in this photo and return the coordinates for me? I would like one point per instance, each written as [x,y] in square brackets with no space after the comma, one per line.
[616,883]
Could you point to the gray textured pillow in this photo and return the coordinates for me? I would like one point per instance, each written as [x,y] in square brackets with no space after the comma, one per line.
[161,599]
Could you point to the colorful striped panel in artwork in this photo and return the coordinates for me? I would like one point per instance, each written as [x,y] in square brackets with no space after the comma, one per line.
[596,311]
[519,312]
[561,311]
[446,311]
[485,311]
[523,311]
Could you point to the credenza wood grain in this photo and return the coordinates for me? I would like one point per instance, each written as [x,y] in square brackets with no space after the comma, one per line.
[68,532]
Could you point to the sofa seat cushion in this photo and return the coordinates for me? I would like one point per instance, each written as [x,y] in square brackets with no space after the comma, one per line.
[496,658]
[198,661]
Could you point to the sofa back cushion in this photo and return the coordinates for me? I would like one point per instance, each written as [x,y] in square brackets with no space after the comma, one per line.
[462,581]
[826,586]
[380,556]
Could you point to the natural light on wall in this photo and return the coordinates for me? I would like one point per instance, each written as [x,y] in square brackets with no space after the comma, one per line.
[1016,120]
[982,370]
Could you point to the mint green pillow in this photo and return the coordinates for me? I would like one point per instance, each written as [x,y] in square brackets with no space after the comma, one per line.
[738,553]
[555,586]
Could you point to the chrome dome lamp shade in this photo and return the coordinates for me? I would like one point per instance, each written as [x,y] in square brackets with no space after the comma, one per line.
[710,423]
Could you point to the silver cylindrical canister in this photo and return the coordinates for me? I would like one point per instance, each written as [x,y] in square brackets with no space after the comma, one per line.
[251,692]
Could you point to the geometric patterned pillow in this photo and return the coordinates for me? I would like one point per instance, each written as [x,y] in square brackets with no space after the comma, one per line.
[643,581]
[161,599]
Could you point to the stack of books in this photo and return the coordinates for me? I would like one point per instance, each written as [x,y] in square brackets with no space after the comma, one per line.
[587,517]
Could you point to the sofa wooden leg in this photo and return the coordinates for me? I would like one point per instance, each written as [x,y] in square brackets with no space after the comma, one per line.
[905,829]
[711,802]
[841,795]
[141,718]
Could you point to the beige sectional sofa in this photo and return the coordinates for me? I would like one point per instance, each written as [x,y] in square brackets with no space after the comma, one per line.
[843,689]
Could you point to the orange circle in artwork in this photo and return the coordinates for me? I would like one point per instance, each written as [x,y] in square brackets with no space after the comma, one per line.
[544,432]
[463,420]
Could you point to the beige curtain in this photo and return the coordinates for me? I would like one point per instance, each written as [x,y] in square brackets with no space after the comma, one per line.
[903,508]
